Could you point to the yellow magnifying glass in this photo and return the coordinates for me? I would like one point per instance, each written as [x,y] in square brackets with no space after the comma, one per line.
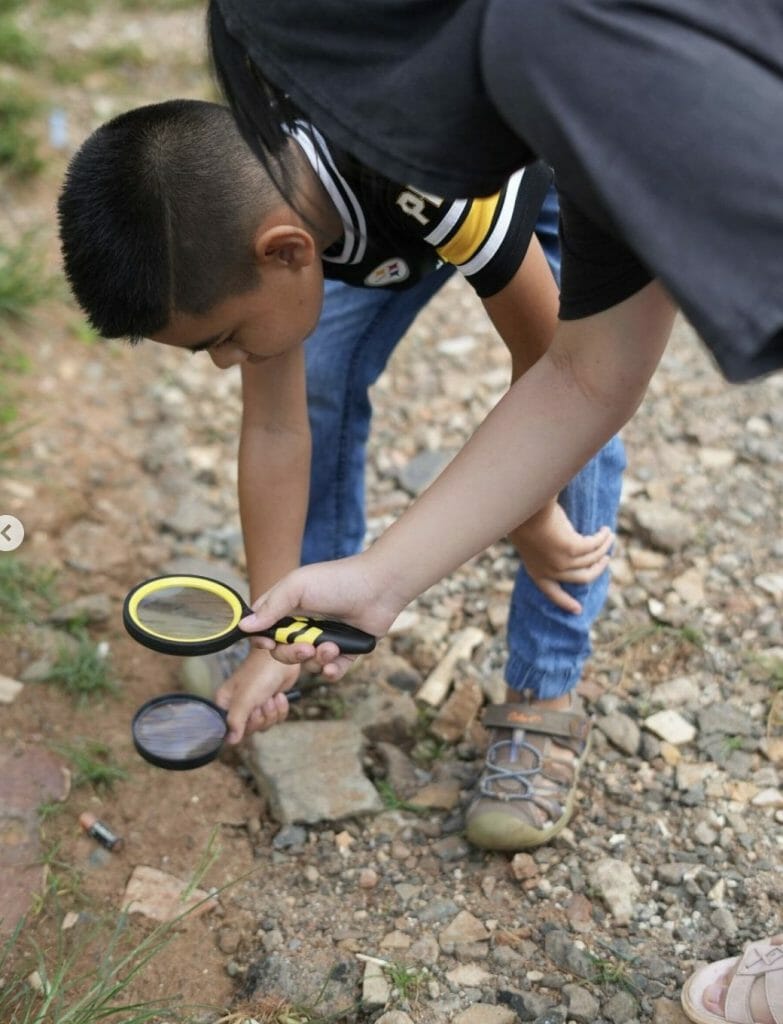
[196,615]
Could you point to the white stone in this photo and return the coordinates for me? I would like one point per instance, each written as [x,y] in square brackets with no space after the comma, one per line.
[468,975]
[769,797]
[9,689]
[376,988]
[771,583]
[617,886]
[671,727]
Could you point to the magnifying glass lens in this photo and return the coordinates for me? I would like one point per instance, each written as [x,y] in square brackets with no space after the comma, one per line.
[179,730]
[185,613]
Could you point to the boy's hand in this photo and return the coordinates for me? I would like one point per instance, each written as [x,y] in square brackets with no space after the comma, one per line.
[554,553]
[254,695]
[335,590]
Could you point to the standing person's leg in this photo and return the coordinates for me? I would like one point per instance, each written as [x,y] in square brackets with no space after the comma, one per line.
[357,332]
[538,738]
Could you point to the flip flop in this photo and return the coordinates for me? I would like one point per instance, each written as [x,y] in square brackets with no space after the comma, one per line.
[760,962]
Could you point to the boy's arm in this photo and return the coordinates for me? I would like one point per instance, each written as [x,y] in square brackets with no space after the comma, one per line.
[554,418]
[274,468]
[524,314]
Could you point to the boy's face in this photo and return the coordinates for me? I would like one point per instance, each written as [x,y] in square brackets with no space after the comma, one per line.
[267,321]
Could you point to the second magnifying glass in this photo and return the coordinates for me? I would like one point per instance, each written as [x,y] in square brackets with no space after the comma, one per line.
[180,731]
[196,615]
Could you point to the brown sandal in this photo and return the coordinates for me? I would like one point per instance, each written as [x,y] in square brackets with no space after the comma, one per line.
[527,790]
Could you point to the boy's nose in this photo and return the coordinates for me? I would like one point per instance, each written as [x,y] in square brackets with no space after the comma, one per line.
[227,356]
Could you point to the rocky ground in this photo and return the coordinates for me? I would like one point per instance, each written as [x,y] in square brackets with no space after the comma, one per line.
[352,894]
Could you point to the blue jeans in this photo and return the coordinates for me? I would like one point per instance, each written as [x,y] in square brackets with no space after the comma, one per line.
[358,331]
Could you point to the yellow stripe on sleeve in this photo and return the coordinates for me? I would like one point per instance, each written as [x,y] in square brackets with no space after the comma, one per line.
[472,232]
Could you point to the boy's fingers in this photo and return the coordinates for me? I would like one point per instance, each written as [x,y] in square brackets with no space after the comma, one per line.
[286,654]
[585,575]
[560,597]
[335,670]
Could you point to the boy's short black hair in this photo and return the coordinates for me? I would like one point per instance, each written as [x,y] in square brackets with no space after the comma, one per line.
[157,214]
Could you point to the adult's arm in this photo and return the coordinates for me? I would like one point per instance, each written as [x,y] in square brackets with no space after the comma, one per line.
[553,419]
[524,313]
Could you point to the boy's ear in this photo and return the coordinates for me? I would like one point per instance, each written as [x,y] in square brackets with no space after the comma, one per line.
[286,244]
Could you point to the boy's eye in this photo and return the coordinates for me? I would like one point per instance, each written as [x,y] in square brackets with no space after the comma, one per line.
[223,341]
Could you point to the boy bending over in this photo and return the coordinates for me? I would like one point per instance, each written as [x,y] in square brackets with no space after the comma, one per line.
[172,230]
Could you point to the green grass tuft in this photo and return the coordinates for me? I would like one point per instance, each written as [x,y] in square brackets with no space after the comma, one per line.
[119,56]
[24,280]
[83,671]
[25,592]
[17,48]
[18,145]
[93,764]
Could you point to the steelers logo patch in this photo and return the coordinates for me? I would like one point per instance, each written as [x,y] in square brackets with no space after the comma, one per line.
[389,272]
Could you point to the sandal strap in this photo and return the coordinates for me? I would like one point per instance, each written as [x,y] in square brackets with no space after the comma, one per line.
[497,774]
[568,728]
[759,959]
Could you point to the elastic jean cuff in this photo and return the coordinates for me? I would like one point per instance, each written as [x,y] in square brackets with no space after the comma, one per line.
[542,684]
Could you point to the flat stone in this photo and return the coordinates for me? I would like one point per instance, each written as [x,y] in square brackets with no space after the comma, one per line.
[663,526]
[468,976]
[671,727]
[463,929]
[583,1007]
[621,731]
[726,720]
[376,989]
[9,689]
[29,777]
[486,1013]
[311,771]
[161,897]
[617,885]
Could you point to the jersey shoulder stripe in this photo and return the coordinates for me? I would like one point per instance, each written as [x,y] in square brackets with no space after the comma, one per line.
[472,230]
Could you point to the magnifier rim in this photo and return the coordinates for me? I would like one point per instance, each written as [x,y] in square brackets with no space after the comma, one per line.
[176,764]
[196,583]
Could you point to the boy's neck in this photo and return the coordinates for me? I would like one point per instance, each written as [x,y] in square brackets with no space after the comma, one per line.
[314,205]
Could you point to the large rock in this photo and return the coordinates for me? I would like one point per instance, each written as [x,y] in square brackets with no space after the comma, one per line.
[311,771]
